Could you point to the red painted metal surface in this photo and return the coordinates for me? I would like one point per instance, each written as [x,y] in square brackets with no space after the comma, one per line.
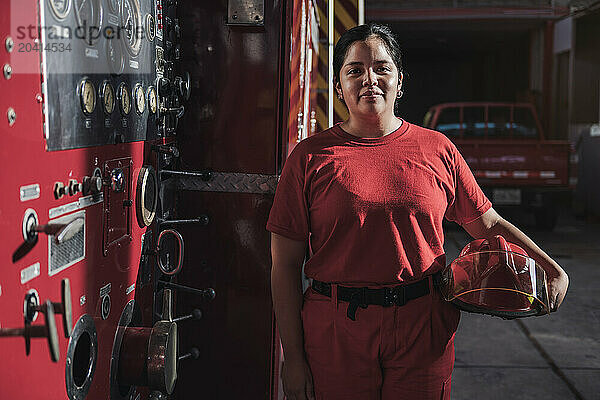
[25,161]
[236,121]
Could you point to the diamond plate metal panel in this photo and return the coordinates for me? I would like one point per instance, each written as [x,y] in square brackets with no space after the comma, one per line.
[232,182]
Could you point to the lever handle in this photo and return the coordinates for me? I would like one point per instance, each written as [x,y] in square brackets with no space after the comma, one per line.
[61,232]
[208,294]
[202,220]
[196,314]
[48,330]
[194,354]
[64,307]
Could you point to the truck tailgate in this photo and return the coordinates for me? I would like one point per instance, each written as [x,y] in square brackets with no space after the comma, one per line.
[517,163]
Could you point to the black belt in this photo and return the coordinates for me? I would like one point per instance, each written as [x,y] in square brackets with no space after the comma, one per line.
[386,296]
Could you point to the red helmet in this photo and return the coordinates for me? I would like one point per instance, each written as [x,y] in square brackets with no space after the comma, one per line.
[493,276]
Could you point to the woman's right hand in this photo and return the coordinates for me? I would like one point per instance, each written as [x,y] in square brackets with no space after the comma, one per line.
[297,380]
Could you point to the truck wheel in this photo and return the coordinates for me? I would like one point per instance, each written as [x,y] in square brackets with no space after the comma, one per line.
[546,218]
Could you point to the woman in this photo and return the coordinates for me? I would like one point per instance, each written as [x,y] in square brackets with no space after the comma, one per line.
[368,197]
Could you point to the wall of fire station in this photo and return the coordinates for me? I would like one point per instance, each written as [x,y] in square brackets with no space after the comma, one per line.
[462,67]
[576,98]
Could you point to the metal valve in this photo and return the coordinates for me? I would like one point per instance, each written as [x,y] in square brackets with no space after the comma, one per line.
[163,87]
[166,149]
[32,307]
[178,111]
[61,231]
[48,331]
[148,356]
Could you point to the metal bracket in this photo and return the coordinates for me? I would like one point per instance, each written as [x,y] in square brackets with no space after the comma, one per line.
[246,12]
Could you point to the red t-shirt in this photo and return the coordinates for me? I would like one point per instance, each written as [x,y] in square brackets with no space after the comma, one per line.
[372,208]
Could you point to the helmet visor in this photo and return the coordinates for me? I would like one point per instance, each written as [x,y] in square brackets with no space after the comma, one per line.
[501,283]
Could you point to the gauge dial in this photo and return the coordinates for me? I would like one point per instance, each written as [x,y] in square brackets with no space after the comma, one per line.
[131,20]
[89,14]
[87,96]
[140,99]
[107,93]
[60,8]
[114,55]
[150,27]
[152,100]
[124,99]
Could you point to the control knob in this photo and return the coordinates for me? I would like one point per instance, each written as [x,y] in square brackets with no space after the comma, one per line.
[92,185]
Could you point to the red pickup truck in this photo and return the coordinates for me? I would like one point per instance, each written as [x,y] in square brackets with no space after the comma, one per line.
[515,165]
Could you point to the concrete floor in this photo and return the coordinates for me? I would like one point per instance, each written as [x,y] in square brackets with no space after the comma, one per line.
[550,357]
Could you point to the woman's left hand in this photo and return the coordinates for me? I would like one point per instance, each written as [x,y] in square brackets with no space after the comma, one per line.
[557,288]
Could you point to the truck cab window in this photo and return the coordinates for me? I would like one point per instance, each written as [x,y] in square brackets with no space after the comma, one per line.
[499,122]
[449,122]
[524,124]
[473,122]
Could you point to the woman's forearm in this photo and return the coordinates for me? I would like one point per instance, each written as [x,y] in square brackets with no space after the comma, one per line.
[286,290]
[491,224]
[513,234]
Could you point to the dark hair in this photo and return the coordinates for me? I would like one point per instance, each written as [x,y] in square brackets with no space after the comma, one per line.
[362,33]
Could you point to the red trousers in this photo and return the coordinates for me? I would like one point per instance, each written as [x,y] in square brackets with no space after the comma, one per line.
[388,353]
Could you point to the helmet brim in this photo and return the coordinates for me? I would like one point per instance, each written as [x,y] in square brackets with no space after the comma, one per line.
[497,282]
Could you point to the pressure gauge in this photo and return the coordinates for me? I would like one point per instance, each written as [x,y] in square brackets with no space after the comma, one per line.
[131,20]
[87,96]
[139,98]
[60,8]
[150,27]
[124,99]
[152,100]
[107,93]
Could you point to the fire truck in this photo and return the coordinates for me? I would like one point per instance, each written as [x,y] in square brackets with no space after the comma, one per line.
[141,146]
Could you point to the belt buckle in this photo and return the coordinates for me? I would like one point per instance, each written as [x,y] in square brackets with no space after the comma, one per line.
[395,296]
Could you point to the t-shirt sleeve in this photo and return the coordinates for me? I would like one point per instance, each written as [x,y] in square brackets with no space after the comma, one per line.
[469,202]
[289,214]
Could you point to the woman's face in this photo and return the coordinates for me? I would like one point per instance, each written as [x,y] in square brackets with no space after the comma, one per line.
[369,80]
